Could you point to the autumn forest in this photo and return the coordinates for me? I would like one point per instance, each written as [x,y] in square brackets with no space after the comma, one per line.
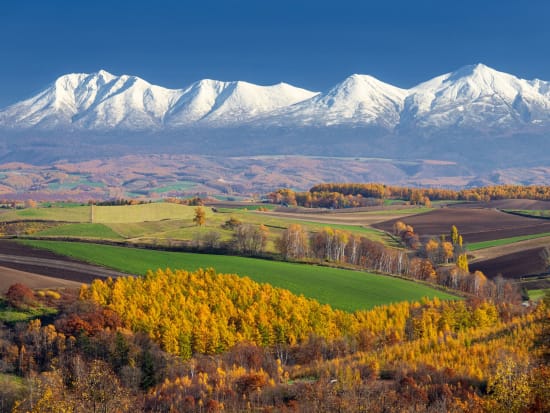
[181,339]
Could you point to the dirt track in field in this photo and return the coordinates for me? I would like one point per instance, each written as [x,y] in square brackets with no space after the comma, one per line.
[343,218]
[46,266]
[474,224]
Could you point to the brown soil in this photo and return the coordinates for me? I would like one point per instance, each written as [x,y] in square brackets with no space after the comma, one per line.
[526,204]
[515,265]
[9,276]
[46,263]
[474,224]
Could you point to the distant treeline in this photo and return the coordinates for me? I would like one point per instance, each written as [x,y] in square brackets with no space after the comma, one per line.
[342,195]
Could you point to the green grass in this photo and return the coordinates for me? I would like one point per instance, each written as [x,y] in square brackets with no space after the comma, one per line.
[106,214]
[69,214]
[81,230]
[535,295]
[504,241]
[12,315]
[344,289]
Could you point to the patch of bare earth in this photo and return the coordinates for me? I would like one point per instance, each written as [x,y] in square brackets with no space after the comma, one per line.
[10,276]
[475,225]
[526,204]
[40,262]
[516,265]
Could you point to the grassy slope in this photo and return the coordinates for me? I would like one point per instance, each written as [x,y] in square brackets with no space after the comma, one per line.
[504,241]
[166,220]
[344,289]
[81,230]
[70,214]
[536,295]
[145,212]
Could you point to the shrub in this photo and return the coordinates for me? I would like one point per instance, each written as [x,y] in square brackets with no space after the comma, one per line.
[54,295]
[20,296]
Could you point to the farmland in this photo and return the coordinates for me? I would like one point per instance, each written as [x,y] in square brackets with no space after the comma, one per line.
[475,224]
[163,223]
[494,238]
[233,320]
[344,289]
[505,241]
[514,265]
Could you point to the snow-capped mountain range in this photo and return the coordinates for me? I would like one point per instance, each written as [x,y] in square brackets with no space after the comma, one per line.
[473,97]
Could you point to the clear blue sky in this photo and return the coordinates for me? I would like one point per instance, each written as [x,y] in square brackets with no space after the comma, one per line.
[313,44]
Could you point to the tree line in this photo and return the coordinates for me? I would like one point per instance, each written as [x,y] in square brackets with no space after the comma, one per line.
[346,195]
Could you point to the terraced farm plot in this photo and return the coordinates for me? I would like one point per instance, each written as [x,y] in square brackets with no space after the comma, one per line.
[344,289]
[475,225]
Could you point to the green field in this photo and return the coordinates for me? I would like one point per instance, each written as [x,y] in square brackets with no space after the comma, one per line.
[68,214]
[168,221]
[344,289]
[163,221]
[81,230]
[504,241]
[536,295]
[106,214]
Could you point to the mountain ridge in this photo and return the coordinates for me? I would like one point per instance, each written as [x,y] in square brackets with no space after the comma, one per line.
[472,97]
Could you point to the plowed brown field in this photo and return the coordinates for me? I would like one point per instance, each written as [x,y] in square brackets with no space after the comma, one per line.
[506,204]
[21,263]
[474,224]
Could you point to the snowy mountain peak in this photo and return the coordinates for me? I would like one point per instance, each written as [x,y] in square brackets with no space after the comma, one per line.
[476,96]
[358,100]
[473,97]
[220,103]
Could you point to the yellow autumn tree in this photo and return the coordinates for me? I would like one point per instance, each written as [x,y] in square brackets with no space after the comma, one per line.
[200,216]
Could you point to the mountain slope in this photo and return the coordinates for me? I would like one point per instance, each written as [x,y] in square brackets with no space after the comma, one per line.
[218,103]
[102,101]
[92,101]
[472,98]
[359,100]
[477,97]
